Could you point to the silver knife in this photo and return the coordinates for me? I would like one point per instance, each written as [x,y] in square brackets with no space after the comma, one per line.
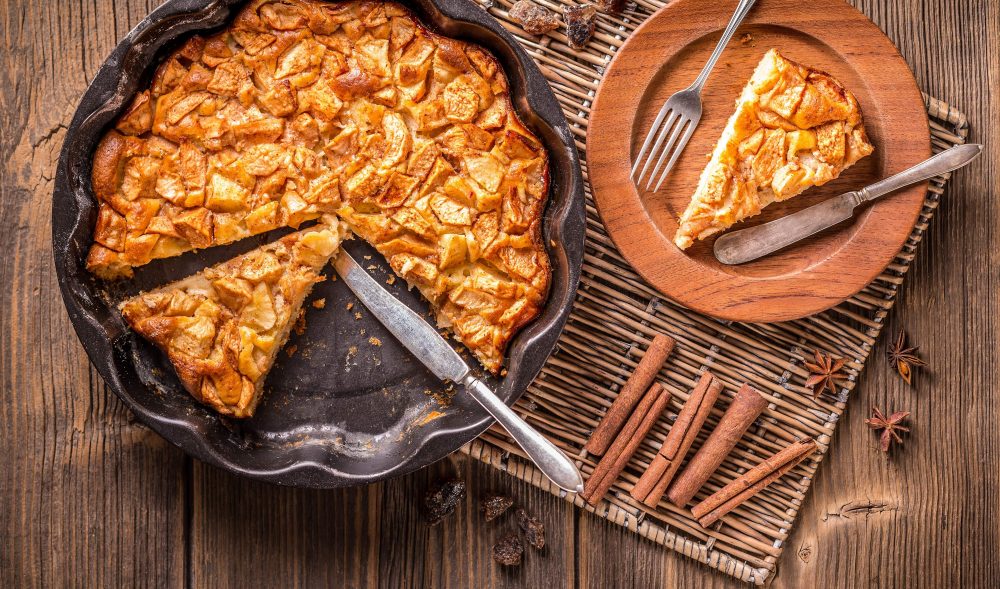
[433,350]
[746,245]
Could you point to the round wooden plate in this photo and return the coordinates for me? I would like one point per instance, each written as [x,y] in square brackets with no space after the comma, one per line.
[664,56]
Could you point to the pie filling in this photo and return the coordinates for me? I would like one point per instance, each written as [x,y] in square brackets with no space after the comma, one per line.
[222,327]
[302,108]
[794,127]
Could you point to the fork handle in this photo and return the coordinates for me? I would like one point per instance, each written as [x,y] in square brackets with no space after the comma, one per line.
[742,9]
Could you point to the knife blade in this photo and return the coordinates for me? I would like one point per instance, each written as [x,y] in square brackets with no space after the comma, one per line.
[746,245]
[404,323]
[431,348]
[749,244]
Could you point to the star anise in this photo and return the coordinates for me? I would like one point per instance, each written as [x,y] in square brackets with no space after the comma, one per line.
[904,358]
[890,427]
[824,374]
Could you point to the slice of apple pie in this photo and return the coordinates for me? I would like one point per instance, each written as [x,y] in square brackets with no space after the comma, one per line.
[222,327]
[794,127]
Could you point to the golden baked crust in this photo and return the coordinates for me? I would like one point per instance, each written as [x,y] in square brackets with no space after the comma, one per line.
[794,127]
[222,327]
[302,108]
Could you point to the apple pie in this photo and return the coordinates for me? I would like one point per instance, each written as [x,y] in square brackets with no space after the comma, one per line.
[794,127]
[222,327]
[301,108]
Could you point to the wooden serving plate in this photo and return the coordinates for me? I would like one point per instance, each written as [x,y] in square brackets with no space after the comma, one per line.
[664,56]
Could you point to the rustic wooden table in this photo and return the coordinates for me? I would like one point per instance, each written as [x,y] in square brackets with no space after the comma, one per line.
[89,497]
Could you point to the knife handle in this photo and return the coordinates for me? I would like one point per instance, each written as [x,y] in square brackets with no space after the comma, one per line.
[946,161]
[550,460]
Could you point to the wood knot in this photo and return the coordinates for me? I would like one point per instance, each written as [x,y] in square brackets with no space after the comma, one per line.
[866,508]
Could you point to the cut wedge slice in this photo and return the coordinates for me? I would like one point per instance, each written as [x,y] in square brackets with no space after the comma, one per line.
[794,127]
[223,327]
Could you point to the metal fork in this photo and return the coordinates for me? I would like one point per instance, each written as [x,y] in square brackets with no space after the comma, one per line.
[682,112]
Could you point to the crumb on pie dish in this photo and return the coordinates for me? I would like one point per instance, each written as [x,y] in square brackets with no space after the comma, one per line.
[223,327]
[794,127]
[302,108]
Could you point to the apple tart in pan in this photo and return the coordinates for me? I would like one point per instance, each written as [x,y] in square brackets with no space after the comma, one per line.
[303,108]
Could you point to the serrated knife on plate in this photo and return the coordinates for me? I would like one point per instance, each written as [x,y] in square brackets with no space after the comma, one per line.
[424,342]
[747,245]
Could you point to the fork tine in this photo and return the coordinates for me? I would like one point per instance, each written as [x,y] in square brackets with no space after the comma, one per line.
[681,122]
[677,152]
[649,138]
[659,141]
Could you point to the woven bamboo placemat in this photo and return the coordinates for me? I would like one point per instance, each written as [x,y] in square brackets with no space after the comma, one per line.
[616,314]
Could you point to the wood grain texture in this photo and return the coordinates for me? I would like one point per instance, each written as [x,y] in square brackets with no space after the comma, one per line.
[90,498]
[664,56]
[369,537]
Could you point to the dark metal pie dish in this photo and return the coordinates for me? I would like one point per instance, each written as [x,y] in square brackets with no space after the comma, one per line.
[340,411]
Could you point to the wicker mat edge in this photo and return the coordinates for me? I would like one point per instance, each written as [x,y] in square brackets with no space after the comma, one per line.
[594,356]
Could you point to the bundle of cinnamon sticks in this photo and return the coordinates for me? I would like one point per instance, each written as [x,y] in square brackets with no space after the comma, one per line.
[629,419]
[752,482]
[747,405]
[667,463]
[637,408]
[632,434]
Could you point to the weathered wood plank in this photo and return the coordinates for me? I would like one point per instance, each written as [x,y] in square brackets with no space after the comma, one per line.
[87,496]
[244,530]
[369,537]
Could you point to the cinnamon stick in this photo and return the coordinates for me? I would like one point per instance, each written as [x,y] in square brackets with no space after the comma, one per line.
[654,482]
[746,406]
[635,430]
[609,426]
[752,482]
